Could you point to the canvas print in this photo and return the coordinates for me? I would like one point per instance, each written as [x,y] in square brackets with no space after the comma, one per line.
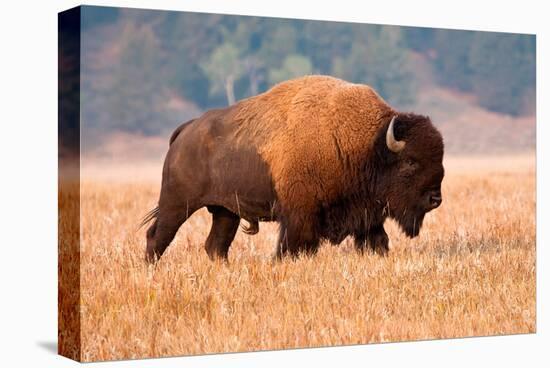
[235,183]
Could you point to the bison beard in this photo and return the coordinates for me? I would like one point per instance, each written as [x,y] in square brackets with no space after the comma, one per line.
[325,158]
[411,224]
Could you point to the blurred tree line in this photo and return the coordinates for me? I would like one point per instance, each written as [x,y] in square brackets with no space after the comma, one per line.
[213,60]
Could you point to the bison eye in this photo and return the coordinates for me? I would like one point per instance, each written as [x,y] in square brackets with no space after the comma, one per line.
[408,167]
[411,163]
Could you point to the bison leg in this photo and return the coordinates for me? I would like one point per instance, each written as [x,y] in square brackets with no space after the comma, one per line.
[376,238]
[297,237]
[161,233]
[224,227]
[360,240]
[378,241]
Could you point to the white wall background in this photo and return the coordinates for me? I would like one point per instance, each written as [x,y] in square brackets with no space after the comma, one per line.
[28,193]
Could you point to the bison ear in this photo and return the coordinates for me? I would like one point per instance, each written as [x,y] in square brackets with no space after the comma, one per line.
[392,142]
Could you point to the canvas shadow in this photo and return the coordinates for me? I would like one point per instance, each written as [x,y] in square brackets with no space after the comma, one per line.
[50,346]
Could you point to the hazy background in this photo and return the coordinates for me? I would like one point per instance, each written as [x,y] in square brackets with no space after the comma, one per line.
[144,72]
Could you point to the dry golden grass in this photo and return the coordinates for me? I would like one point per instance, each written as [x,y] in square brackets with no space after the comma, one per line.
[470,272]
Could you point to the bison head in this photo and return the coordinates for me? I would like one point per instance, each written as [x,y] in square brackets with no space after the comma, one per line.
[410,154]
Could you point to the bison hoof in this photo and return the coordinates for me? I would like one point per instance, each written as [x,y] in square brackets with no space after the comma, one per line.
[381,251]
[151,257]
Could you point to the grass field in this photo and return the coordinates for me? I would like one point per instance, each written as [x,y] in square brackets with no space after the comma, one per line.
[471,272]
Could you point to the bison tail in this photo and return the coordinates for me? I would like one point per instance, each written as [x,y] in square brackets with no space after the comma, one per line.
[252,229]
[149,217]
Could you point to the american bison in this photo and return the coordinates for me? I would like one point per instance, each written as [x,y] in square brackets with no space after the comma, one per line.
[323,157]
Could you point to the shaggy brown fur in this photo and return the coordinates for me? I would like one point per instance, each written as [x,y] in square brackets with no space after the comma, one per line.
[309,153]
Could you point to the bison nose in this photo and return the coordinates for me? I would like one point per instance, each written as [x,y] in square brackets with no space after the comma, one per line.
[435,200]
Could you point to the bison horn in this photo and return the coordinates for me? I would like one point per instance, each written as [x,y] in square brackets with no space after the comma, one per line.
[393,144]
